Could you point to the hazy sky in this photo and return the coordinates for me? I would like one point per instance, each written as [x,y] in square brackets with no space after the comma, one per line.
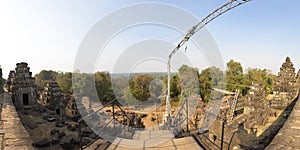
[46,34]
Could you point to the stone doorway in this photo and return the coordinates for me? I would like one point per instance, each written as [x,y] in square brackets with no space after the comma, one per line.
[25,99]
[57,111]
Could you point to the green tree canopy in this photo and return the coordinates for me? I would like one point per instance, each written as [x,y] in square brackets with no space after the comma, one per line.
[264,77]
[209,78]
[139,86]
[45,76]
[234,76]
[83,85]
[104,86]
[189,79]
[175,87]
[64,81]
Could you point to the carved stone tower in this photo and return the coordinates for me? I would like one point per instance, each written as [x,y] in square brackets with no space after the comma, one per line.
[24,89]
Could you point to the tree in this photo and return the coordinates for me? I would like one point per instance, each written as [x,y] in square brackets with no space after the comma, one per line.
[156,88]
[175,87]
[119,85]
[139,86]
[64,81]
[84,85]
[209,78]
[129,98]
[45,76]
[264,77]
[189,79]
[104,86]
[234,76]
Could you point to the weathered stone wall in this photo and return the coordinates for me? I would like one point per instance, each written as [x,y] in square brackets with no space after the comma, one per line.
[10,80]
[285,84]
[71,108]
[256,106]
[288,136]
[23,87]
[51,96]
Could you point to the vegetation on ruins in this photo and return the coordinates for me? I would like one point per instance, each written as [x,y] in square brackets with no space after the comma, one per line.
[44,77]
[236,79]
[186,82]
[64,80]
[264,77]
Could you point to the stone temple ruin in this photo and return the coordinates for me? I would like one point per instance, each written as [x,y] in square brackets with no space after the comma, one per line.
[285,87]
[51,96]
[241,118]
[256,106]
[71,108]
[63,104]
[10,81]
[22,87]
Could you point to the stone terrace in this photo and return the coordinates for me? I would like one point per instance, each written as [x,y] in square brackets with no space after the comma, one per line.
[289,135]
[13,135]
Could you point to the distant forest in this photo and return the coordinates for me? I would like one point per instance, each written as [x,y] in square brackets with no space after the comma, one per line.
[140,87]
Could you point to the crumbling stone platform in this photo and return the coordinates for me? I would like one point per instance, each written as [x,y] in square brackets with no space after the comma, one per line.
[15,137]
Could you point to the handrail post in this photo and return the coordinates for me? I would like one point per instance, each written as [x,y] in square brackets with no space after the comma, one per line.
[113,111]
[222,136]
[187,115]
[79,134]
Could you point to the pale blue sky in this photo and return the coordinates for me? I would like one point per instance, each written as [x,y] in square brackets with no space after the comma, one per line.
[46,34]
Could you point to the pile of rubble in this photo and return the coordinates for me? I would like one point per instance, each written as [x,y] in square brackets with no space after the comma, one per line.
[71,107]
[256,106]
[58,137]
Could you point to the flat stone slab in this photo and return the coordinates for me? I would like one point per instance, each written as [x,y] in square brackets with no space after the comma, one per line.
[187,143]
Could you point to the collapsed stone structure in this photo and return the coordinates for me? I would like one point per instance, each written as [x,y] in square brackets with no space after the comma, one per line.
[256,106]
[10,80]
[214,136]
[22,86]
[51,96]
[286,86]
[255,99]
[233,105]
[71,108]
